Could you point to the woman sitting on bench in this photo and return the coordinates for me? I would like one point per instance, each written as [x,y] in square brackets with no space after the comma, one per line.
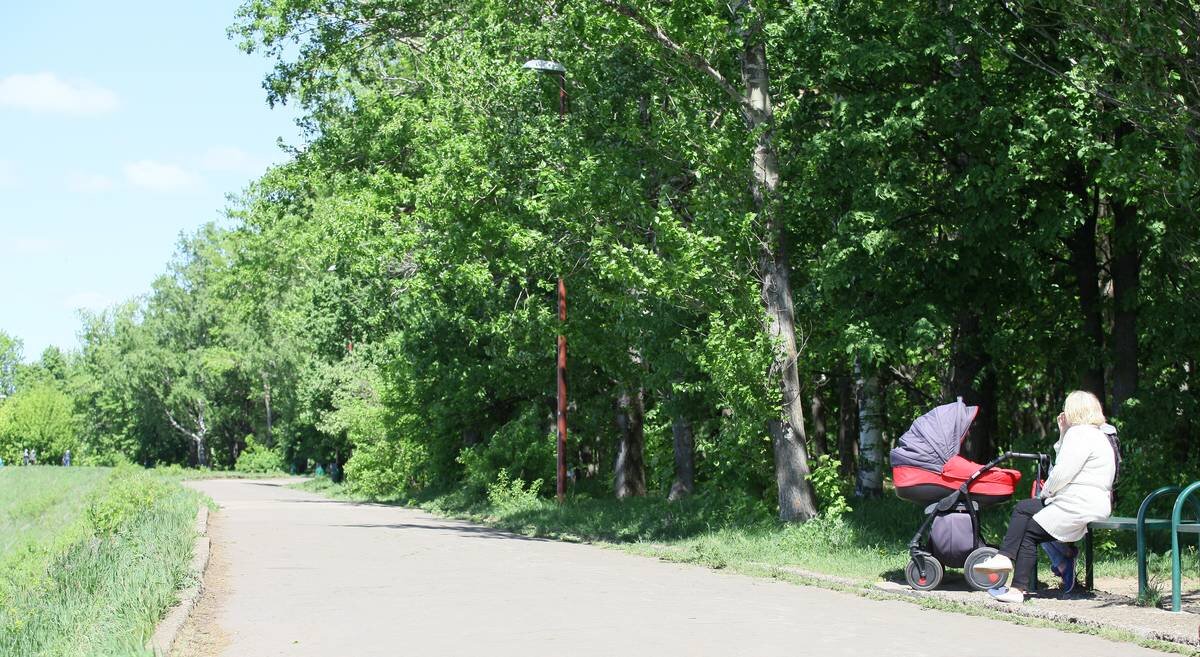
[1078,491]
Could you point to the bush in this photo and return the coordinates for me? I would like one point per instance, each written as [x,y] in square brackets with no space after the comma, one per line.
[258,458]
[829,487]
[130,493]
[386,469]
[103,459]
[521,448]
[507,495]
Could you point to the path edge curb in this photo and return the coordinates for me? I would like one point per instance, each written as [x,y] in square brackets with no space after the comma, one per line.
[1046,614]
[899,592]
[169,627]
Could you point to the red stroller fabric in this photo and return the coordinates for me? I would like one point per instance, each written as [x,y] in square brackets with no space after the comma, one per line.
[997,481]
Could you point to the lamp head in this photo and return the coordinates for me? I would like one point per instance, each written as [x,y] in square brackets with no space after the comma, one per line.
[544,66]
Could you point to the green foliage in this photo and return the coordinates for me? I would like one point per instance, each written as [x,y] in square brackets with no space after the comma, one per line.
[831,488]
[10,361]
[258,458]
[128,494]
[522,447]
[507,495]
[42,418]
[387,469]
[956,220]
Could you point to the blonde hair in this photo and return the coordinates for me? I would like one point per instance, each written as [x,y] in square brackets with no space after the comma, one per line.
[1082,407]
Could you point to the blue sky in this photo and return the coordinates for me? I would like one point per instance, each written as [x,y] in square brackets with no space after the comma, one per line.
[122,125]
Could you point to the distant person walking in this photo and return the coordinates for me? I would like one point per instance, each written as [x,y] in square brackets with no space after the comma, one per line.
[67,459]
[25,457]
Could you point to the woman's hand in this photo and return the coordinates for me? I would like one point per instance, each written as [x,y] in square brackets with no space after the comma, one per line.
[1062,424]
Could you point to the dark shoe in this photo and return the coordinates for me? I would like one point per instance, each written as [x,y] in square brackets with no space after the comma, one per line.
[1068,575]
[1054,550]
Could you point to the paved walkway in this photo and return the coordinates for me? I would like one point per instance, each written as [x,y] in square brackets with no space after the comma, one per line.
[300,575]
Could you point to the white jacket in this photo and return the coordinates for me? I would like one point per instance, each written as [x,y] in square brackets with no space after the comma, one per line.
[1079,489]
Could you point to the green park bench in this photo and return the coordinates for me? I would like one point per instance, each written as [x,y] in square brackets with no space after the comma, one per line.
[1140,524]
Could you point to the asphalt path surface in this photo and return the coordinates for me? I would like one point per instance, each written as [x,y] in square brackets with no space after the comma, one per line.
[296,574]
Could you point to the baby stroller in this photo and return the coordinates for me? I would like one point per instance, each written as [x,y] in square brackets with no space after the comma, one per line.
[928,470]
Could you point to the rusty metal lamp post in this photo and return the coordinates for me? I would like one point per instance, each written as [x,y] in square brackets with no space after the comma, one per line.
[560,72]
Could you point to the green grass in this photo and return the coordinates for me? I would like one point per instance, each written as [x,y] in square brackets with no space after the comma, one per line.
[180,473]
[90,558]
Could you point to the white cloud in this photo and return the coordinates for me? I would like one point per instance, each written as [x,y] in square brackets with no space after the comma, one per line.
[232,159]
[160,176]
[88,300]
[46,92]
[86,183]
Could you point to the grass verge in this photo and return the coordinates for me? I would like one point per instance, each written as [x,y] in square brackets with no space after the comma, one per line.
[110,551]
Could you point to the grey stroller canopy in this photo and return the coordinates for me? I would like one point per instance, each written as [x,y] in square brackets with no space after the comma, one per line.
[935,437]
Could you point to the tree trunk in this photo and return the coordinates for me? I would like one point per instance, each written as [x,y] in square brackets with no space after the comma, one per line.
[201,444]
[685,457]
[796,499]
[980,445]
[198,438]
[847,426]
[1126,274]
[870,436]
[1085,266]
[201,437]
[820,435]
[968,362]
[270,440]
[471,436]
[630,470]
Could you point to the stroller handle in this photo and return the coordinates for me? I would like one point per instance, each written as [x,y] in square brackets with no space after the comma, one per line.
[1042,459]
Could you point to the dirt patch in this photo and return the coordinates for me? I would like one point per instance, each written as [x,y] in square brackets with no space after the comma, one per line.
[1099,609]
[202,635]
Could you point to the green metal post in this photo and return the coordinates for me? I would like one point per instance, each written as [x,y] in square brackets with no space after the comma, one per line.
[1176,517]
[1143,580]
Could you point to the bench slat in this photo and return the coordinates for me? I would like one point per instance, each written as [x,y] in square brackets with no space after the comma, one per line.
[1130,524]
[1121,522]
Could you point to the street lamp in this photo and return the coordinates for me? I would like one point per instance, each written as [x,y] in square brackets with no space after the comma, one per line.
[559,71]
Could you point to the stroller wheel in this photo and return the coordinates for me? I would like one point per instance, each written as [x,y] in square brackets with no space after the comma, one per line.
[931,579]
[982,581]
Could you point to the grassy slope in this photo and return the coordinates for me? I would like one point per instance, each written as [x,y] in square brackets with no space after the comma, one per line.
[98,557]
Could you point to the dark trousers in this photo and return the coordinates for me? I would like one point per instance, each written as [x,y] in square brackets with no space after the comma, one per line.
[1022,541]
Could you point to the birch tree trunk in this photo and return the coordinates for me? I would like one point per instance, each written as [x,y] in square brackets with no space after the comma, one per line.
[198,437]
[796,499]
[869,482]
[630,471]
